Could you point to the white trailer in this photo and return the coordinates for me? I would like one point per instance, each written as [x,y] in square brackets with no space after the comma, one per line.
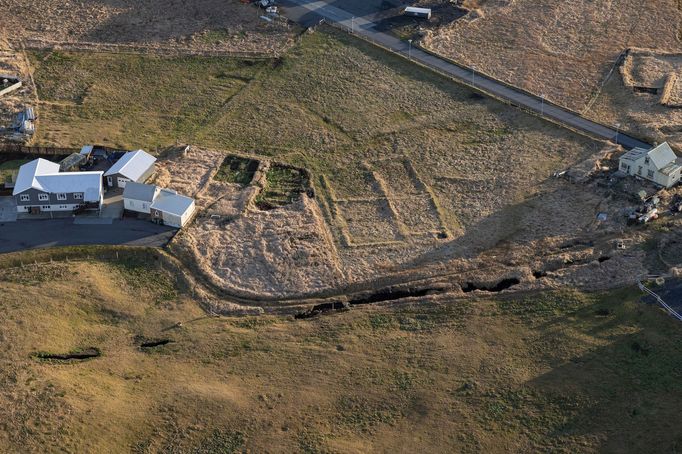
[424,13]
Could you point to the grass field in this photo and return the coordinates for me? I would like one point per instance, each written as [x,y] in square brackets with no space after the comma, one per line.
[332,104]
[564,372]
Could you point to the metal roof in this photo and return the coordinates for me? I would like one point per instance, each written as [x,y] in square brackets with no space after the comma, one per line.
[171,202]
[662,155]
[132,165]
[26,177]
[139,191]
[44,176]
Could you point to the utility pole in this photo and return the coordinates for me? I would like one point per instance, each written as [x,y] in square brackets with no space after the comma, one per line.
[409,49]
[617,132]
[542,105]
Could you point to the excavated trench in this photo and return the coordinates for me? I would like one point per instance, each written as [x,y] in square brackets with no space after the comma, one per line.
[79,355]
[504,284]
[373,298]
[155,343]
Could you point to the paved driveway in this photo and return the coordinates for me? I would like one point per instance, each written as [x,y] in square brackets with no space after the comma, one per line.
[8,211]
[31,234]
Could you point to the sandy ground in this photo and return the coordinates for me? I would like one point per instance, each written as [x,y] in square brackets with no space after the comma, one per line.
[553,47]
[276,253]
[197,25]
[548,240]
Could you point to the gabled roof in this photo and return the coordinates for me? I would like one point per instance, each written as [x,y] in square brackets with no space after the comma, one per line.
[662,155]
[139,191]
[44,176]
[132,165]
[634,154]
[171,202]
[26,177]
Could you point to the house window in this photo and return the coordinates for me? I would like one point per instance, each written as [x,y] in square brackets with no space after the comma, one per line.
[78,195]
[647,160]
[43,197]
[61,196]
[156,213]
[650,173]
[639,170]
[25,197]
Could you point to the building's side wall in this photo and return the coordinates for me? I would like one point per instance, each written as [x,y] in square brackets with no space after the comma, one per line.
[145,176]
[171,219]
[51,204]
[139,206]
[188,215]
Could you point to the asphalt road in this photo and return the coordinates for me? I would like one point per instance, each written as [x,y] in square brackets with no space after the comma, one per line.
[363,21]
[32,234]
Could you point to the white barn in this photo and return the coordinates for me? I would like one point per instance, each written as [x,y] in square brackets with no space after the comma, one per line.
[135,166]
[659,164]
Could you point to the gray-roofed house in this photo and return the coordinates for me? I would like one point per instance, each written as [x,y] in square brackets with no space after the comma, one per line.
[173,209]
[135,166]
[138,197]
[659,164]
[40,186]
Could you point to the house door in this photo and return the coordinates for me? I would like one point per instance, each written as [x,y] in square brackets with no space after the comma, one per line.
[110,182]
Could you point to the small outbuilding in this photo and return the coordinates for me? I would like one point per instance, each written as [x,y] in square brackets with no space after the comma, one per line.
[138,197]
[136,166]
[659,164]
[171,208]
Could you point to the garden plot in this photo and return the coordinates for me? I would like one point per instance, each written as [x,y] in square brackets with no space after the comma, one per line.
[369,222]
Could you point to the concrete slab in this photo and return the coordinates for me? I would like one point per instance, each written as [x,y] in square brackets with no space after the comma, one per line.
[8,210]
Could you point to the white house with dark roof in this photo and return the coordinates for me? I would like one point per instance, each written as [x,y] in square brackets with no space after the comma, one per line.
[659,164]
[135,166]
[138,197]
[40,186]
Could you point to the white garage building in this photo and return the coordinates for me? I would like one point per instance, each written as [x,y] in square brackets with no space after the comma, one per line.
[135,166]
[172,209]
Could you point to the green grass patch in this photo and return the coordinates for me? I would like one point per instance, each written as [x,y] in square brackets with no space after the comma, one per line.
[284,185]
[236,169]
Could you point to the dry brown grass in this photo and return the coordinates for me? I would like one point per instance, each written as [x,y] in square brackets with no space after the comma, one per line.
[557,48]
[564,371]
[204,25]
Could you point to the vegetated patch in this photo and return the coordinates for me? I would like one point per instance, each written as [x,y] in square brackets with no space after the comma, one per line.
[283,185]
[75,355]
[237,169]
